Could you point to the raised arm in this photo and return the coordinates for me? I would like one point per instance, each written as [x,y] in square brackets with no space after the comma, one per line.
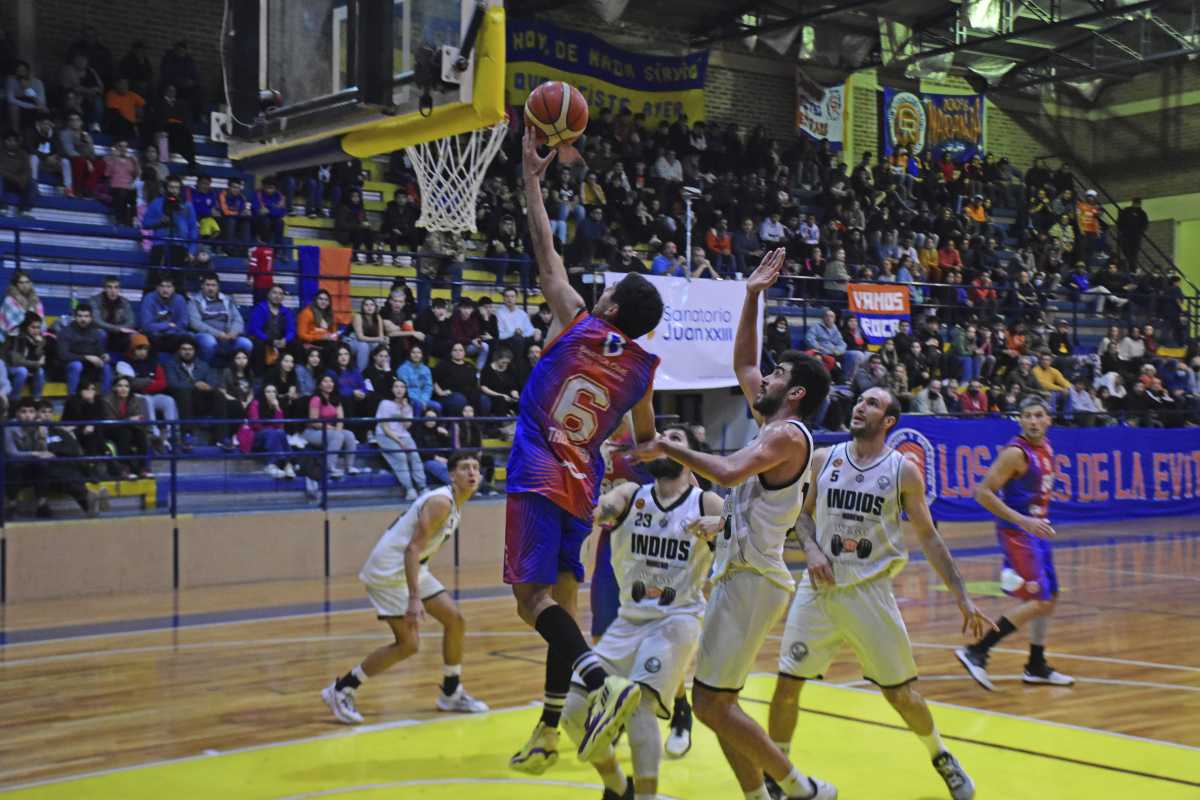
[778,443]
[746,350]
[564,301]
[912,498]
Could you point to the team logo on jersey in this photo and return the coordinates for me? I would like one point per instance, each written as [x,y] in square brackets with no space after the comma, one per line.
[640,503]
[883,483]
[662,523]
[837,462]
[859,478]
[614,345]
[652,665]
[798,650]
[913,445]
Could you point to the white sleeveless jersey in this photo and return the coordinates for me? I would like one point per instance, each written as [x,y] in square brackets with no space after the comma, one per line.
[858,503]
[757,520]
[650,544]
[385,565]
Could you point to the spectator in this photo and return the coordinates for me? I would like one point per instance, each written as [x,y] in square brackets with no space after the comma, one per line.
[204,200]
[153,176]
[175,230]
[367,326]
[315,325]
[434,444]
[149,382]
[270,207]
[627,260]
[514,326]
[123,109]
[1087,216]
[378,379]
[542,320]
[467,330]
[1132,351]
[77,146]
[267,433]
[974,400]
[83,352]
[469,436]
[1082,407]
[284,376]
[45,149]
[272,330]
[455,383]
[114,314]
[137,67]
[352,227]
[702,267]
[719,243]
[26,96]
[398,326]
[332,437]
[499,386]
[418,379]
[399,226]
[234,214]
[930,400]
[169,116]
[825,341]
[444,267]
[436,323]
[121,169]
[84,406]
[194,386]
[216,321]
[178,70]
[868,376]
[308,373]
[16,174]
[667,262]
[31,463]
[837,277]
[778,337]
[1049,378]
[1132,223]
[396,444]
[237,392]
[131,441]
[20,300]
[746,247]
[25,355]
[351,386]
[78,76]
[772,232]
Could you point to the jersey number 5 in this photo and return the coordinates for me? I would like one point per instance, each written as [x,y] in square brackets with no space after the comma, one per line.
[575,410]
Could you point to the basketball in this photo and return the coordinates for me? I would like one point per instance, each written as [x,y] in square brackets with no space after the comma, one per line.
[558,113]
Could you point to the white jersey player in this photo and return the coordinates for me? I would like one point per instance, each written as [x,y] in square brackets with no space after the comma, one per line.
[661,556]
[854,543]
[752,585]
[401,586]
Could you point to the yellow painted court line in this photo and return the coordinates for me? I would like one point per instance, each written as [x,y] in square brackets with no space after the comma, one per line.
[850,737]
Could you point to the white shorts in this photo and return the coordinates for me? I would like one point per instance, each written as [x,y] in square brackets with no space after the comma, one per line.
[865,616]
[742,609]
[392,601]
[655,653]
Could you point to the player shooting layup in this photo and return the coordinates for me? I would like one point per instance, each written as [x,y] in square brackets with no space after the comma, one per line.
[854,543]
[751,582]
[661,555]
[590,375]
[1017,490]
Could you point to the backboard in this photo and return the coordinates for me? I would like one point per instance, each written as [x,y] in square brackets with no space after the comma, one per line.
[311,52]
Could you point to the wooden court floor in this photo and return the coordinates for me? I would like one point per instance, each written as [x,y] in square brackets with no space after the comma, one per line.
[214,692]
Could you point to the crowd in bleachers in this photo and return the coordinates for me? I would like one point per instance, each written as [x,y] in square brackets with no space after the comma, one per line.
[999,266]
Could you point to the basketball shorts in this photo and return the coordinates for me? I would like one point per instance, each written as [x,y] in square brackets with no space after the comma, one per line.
[655,654]
[541,540]
[1030,562]
[742,609]
[864,616]
[392,601]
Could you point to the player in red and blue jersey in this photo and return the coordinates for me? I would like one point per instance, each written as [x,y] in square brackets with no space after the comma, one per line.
[1017,491]
[591,374]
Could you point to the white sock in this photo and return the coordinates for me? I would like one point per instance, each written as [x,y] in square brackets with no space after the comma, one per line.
[358,673]
[933,743]
[615,781]
[758,794]
[452,671]
[785,747]
[796,784]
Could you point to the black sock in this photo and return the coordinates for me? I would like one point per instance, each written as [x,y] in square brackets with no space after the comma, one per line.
[1037,655]
[1004,628]
[558,683]
[567,645]
[682,715]
[449,684]
[347,681]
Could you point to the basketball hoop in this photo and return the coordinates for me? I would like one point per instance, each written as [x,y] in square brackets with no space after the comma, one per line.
[450,172]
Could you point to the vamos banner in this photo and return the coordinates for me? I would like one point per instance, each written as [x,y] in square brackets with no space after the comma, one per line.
[879,308]
[694,339]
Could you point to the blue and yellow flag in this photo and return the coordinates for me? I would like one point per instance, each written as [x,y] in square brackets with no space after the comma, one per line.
[661,87]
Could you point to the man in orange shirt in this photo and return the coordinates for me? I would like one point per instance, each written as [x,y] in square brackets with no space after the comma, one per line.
[123,111]
[719,243]
[1087,215]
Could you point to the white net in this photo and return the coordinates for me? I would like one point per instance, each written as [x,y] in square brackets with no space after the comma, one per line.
[450,172]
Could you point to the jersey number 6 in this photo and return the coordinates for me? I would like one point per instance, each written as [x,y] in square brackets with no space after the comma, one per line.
[575,409]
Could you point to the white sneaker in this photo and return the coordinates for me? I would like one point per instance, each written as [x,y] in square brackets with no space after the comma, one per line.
[461,702]
[289,471]
[820,791]
[312,489]
[297,441]
[1046,675]
[976,665]
[274,471]
[341,704]
[410,495]
[356,470]
[679,741]
[609,708]
[957,780]
[538,754]
[336,474]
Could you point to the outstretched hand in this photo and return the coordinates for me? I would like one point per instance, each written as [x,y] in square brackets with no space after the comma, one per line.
[648,451]
[534,165]
[767,272]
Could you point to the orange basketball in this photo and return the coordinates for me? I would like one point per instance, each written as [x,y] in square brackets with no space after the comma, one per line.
[557,111]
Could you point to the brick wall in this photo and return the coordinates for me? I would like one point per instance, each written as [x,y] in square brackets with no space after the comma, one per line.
[864,121]
[157,22]
[750,99]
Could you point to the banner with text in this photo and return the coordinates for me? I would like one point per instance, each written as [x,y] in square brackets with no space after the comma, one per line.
[880,308]
[694,338]
[820,110]
[661,87]
[941,123]
[1100,473]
